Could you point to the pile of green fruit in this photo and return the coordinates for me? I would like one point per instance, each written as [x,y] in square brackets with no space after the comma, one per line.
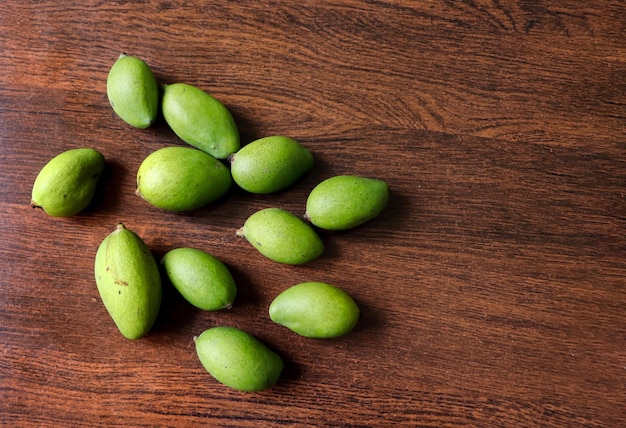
[180,178]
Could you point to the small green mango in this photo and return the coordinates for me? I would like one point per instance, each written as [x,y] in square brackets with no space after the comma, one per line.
[129,282]
[346,201]
[316,310]
[181,179]
[67,183]
[133,91]
[200,120]
[281,236]
[270,164]
[237,359]
[201,278]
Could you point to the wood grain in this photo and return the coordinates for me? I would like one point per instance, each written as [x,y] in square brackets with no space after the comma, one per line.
[491,288]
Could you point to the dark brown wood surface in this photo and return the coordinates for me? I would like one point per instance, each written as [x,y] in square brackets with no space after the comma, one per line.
[492,288]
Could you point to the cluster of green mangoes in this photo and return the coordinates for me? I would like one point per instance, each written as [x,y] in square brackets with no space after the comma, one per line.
[129,279]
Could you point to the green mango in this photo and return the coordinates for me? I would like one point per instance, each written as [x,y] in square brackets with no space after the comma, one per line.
[67,183]
[346,201]
[133,91]
[200,120]
[129,282]
[281,236]
[237,359]
[201,278]
[316,310]
[182,179]
[270,164]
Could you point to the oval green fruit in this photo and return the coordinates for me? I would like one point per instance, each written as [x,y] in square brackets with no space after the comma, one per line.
[201,278]
[237,359]
[129,282]
[282,237]
[316,310]
[270,164]
[346,201]
[67,183]
[133,91]
[182,179]
[200,120]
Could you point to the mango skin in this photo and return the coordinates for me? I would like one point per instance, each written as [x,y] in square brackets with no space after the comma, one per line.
[129,282]
[200,120]
[316,310]
[270,164]
[181,179]
[282,237]
[133,91]
[67,183]
[346,201]
[237,359]
[201,278]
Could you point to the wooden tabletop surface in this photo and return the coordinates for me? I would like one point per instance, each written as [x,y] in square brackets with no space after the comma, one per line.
[492,288]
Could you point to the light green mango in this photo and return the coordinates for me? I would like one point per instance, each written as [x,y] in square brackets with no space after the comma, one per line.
[200,120]
[237,359]
[67,183]
[182,179]
[316,310]
[282,237]
[129,282]
[133,91]
[346,201]
[270,164]
[201,278]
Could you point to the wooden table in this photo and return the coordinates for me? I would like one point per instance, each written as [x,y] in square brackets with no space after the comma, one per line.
[492,288]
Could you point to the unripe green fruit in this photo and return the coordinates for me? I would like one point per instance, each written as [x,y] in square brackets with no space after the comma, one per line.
[200,120]
[238,359]
[346,201]
[270,164]
[133,91]
[182,179]
[129,282]
[67,183]
[201,278]
[281,236]
[316,310]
